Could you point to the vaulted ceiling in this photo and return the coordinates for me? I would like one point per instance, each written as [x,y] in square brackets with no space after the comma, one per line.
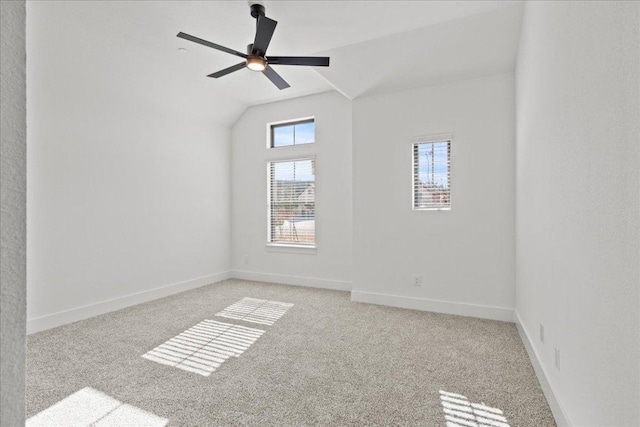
[375,47]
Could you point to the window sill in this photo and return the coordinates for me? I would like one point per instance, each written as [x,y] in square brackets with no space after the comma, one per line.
[291,249]
[430,209]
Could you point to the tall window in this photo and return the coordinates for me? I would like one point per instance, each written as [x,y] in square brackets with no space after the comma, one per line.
[431,175]
[292,133]
[292,202]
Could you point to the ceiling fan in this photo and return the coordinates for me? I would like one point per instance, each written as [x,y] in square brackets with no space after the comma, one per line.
[255,59]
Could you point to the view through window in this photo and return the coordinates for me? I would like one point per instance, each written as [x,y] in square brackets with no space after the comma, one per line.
[431,175]
[293,133]
[292,202]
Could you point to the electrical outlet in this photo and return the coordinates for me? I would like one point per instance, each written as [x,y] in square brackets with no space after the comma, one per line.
[557,354]
[542,332]
[417,281]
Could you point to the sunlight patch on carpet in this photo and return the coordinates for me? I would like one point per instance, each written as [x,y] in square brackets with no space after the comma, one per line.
[256,311]
[459,412]
[204,347]
[90,407]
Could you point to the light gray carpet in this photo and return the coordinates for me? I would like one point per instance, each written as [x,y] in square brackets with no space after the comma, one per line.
[327,361]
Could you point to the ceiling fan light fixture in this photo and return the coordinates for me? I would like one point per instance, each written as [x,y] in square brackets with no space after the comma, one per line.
[255,63]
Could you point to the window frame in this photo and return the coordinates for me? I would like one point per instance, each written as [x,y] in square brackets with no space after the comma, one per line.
[432,139]
[285,123]
[287,247]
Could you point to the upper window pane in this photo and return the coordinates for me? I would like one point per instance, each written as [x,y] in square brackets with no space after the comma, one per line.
[304,133]
[431,175]
[282,136]
[293,133]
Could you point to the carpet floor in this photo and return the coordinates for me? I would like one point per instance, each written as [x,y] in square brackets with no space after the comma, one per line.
[322,361]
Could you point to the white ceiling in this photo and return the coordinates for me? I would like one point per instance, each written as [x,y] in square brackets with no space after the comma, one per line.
[375,46]
[469,47]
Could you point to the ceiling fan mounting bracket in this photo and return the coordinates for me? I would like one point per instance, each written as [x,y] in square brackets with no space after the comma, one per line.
[257,10]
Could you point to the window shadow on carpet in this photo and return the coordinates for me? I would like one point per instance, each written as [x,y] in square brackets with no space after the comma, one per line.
[202,348]
[256,311]
[90,407]
[459,412]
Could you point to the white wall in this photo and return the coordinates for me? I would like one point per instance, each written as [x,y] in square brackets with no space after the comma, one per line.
[13,211]
[578,156]
[330,265]
[465,255]
[127,192]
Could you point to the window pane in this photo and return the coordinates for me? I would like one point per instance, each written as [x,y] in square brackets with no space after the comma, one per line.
[431,184]
[293,133]
[282,136]
[305,133]
[292,202]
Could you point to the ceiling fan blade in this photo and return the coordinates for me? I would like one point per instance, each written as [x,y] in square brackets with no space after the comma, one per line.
[314,61]
[264,32]
[209,44]
[226,71]
[275,78]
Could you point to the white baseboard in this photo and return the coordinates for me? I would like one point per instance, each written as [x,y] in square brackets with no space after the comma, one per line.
[73,315]
[311,282]
[560,415]
[447,307]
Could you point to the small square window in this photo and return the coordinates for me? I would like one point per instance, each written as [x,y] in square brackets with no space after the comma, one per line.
[431,175]
[293,133]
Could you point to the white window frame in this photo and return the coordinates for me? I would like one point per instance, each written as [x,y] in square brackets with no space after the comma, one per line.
[430,139]
[290,247]
[271,125]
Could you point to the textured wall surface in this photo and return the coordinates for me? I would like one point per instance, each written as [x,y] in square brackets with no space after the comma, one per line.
[578,158]
[13,132]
